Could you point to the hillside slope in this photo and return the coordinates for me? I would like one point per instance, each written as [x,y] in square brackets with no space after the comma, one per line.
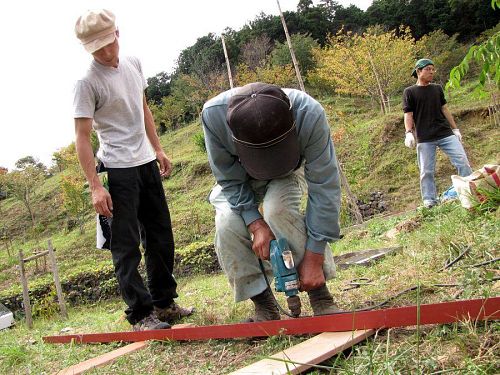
[368,145]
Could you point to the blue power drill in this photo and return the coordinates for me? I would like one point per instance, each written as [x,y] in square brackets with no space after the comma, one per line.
[286,278]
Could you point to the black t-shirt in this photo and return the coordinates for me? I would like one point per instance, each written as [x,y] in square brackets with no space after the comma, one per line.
[425,102]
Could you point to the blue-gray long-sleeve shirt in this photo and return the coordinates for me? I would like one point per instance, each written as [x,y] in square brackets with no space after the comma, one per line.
[317,152]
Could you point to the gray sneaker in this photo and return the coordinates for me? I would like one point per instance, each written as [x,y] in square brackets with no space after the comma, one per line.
[150,322]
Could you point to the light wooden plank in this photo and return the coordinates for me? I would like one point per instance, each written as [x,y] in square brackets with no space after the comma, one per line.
[110,357]
[102,360]
[307,353]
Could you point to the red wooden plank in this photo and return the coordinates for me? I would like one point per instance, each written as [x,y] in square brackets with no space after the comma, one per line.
[439,313]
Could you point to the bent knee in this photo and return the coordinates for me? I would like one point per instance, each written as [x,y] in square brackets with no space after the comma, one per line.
[228,222]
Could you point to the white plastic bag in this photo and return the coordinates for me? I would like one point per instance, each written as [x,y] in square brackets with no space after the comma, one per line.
[486,178]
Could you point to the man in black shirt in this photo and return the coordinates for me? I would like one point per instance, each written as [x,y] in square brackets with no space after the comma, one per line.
[427,116]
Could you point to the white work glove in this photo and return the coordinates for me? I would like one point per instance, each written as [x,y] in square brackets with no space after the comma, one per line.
[409,140]
[457,133]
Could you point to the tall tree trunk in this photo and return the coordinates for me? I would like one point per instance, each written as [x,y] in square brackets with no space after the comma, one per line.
[27,203]
[381,92]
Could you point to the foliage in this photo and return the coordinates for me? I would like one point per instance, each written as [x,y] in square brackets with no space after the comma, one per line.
[445,52]
[373,64]
[158,87]
[188,94]
[466,18]
[198,257]
[199,140]
[254,53]
[283,76]
[202,60]
[22,185]
[487,56]
[302,45]
[30,161]
[75,197]
[490,201]
[66,158]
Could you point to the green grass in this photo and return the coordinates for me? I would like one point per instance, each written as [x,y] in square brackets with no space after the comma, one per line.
[463,347]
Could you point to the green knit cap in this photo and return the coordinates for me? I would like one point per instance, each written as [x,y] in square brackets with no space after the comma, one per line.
[422,63]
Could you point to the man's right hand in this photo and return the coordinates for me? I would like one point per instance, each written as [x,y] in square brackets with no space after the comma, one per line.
[101,199]
[262,236]
[409,140]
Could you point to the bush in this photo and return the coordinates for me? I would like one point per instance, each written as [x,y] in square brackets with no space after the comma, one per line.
[199,141]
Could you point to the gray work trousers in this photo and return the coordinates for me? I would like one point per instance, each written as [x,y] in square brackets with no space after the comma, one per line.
[280,199]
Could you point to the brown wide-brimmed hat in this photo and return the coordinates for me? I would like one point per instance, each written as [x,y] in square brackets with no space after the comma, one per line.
[261,120]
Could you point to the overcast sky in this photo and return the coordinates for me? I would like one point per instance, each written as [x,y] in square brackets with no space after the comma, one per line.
[41,57]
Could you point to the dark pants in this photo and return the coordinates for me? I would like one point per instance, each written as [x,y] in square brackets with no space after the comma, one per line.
[139,199]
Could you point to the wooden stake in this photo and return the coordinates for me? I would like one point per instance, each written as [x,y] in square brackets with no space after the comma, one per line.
[53,265]
[26,297]
[292,54]
[350,197]
[381,92]
[227,62]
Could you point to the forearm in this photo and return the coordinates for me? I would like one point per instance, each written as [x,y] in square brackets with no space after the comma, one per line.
[409,122]
[86,158]
[321,173]
[449,117]
[87,162]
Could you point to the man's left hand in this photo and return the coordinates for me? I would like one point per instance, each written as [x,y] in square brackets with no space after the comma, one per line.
[457,134]
[311,271]
[165,164]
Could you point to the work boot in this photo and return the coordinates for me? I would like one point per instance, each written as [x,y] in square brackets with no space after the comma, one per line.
[265,307]
[173,312]
[322,301]
[150,322]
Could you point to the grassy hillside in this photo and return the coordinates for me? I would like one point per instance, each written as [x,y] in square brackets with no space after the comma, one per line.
[370,147]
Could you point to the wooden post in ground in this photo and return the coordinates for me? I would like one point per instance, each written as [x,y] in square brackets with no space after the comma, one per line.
[26,297]
[53,265]
[227,61]
[351,199]
[292,54]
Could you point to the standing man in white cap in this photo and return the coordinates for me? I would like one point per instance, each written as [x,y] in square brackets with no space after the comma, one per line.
[110,99]
[427,117]
[268,145]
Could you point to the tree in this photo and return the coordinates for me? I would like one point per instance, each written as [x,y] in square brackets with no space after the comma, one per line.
[75,196]
[471,17]
[3,185]
[486,55]
[158,88]
[445,51]
[254,53]
[350,19]
[202,59]
[468,18]
[283,76]
[30,161]
[303,46]
[312,20]
[374,64]
[22,185]
[66,157]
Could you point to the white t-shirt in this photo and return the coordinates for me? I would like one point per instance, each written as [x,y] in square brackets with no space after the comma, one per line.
[113,98]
